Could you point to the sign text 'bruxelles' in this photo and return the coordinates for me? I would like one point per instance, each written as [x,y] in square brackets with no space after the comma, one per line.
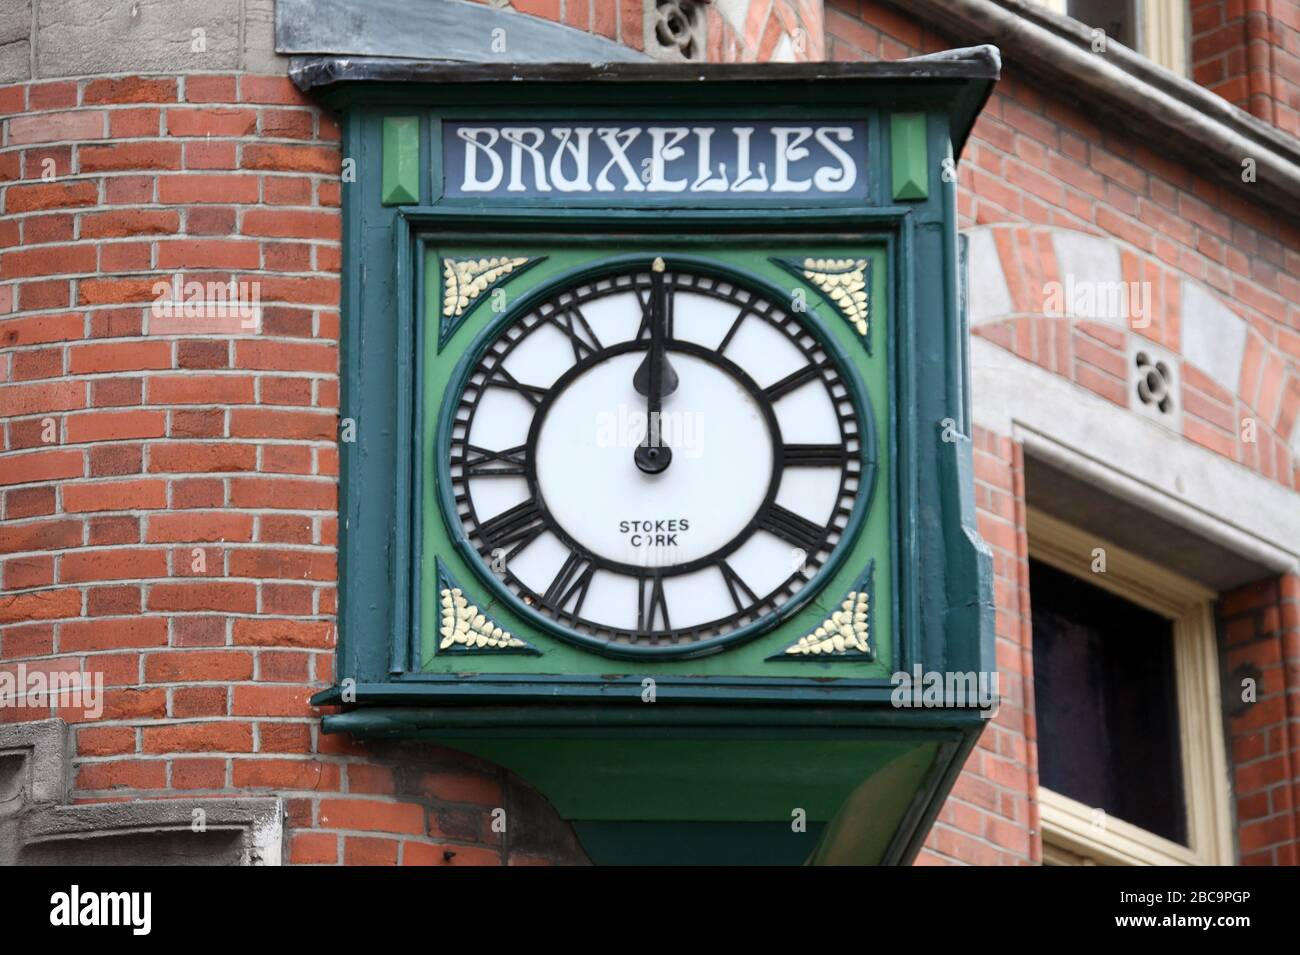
[650,160]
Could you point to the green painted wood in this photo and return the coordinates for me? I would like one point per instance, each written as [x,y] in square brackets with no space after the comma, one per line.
[401,160]
[697,843]
[909,165]
[933,575]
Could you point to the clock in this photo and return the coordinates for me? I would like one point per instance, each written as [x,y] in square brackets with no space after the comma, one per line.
[656,459]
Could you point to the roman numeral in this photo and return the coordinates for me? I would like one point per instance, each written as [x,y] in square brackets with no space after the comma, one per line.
[737,587]
[790,527]
[643,330]
[792,381]
[483,462]
[520,525]
[533,394]
[813,455]
[575,327]
[573,579]
[651,607]
[735,327]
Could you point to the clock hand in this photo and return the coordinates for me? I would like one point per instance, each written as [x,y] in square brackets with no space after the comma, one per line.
[655,378]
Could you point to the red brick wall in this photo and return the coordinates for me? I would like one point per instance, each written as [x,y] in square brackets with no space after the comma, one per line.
[126,455]
[1248,51]
[1261,627]
[1035,162]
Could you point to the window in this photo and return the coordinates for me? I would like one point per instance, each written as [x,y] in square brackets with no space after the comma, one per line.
[1132,768]
[1155,28]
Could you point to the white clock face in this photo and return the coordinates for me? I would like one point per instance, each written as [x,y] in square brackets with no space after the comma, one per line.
[655,459]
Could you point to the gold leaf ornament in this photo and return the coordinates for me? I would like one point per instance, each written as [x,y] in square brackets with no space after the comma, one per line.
[844,631]
[464,280]
[844,282]
[464,625]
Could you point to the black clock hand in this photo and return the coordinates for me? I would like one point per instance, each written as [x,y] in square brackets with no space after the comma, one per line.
[655,378]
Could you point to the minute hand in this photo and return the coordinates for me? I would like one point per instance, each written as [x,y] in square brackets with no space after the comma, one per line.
[655,378]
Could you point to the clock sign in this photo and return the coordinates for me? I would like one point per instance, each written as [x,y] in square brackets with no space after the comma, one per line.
[661,470]
[657,457]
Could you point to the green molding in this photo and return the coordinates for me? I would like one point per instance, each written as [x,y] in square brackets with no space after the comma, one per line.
[459,618]
[843,283]
[464,283]
[849,638]
[401,184]
[908,156]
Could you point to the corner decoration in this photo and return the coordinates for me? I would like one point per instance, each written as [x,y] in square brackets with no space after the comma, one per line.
[465,281]
[465,629]
[845,634]
[843,283]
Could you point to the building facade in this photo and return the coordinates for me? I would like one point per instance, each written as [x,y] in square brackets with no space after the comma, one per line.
[1130,201]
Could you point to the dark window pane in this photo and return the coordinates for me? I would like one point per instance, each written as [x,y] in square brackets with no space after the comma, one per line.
[1117,17]
[1106,702]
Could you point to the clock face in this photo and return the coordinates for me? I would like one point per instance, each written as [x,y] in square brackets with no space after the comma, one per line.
[657,459]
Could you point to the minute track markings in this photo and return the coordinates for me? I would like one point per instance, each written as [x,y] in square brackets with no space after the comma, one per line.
[575,593]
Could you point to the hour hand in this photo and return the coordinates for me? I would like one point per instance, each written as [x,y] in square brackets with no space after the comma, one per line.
[667,376]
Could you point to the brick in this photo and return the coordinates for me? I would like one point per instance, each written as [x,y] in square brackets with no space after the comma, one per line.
[211,737]
[271,632]
[112,564]
[134,123]
[187,456]
[73,126]
[313,848]
[278,223]
[53,195]
[47,260]
[116,529]
[113,291]
[270,563]
[112,634]
[200,389]
[211,122]
[199,527]
[119,356]
[284,158]
[24,573]
[192,774]
[130,89]
[209,89]
[369,815]
[283,493]
[41,398]
[105,740]
[198,666]
[284,774]
[358,850]
[203,595]
[40,329]
[122,774]
[114,495]
[272,701]
[114,425]
[129,222]
[200,188]
[208,254]
[270,90]
[49,465]
[39,605]
[118,157]
[266,423]
[210,155]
